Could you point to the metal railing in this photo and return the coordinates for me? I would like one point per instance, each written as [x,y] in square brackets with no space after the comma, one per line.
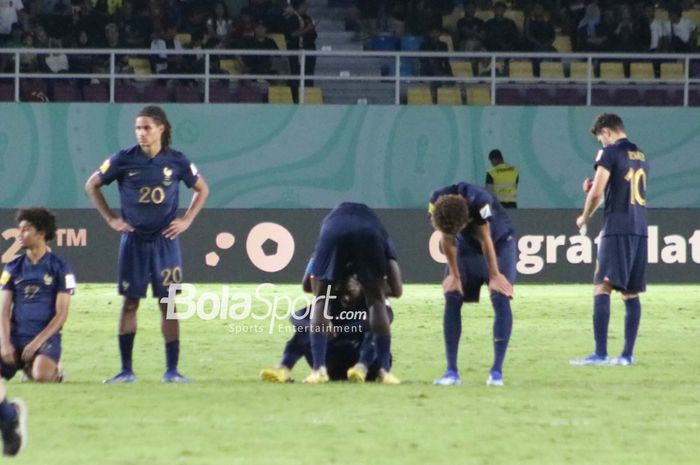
[493,79]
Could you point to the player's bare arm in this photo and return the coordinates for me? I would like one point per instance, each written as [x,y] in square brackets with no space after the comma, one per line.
[7,350]
[54,326]
[92,189]
[452,281]
[180,225]
[595,196]
[497,282]
[393,279]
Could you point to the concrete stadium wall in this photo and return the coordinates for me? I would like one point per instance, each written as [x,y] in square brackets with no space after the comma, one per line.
[269,156]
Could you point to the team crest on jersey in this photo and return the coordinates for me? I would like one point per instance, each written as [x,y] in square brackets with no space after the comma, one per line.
[48,279]
[167,174]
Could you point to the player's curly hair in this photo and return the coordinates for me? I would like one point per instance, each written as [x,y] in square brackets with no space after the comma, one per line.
[158,115]
[607,120]
[41,218]
[450,214]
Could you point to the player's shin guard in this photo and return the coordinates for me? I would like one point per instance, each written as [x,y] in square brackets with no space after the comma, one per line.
[502,327]
[452,328]
[384,351]
[126,348]
[601,318]
[172,355]
[633,314]
[318,349]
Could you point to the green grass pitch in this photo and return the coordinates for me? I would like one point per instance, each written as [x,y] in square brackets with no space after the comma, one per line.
[548,412]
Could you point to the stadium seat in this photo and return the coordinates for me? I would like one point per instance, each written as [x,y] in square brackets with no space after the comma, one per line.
[141,66]
[579,70]
[612,71]
[447,39]
[693,15]
[510,95]
[221,94]
[449,96]
[313,96]
[187,94]
[484,15]
[419,95]
[518,18]
[664,96]
[34,90]
[661,14]
[641,70]
[96,93]
[520,69]
[155,93]
[247,94]
[7,91]
[383,43]
[672,71]
[540,95]
[411,43]
[279,95]
[461,68]
[694,97]
[570,95]
[478,95]
[694,71]
[185,39]
[231,65]
[449,22]
[279,40]
[551,70]
[125,93]
[64,91]
[562,43]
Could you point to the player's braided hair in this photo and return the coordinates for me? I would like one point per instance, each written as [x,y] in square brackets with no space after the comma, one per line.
[39,217]
[607,120]
[158,115]
[451,214]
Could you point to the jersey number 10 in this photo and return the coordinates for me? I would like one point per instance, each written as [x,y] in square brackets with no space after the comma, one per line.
[637,178]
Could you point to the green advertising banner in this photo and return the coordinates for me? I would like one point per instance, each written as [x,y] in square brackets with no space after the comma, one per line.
[271,156]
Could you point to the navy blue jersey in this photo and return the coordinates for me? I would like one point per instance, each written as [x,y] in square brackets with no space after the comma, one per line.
[34,290]
[148,187]
[362,213]
[483,208]
[625,194]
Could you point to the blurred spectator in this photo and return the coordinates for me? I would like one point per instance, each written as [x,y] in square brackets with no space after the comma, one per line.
[41,38]
[82,63]
[593,34]
[683,32]
[172,11]
[28,62]
[296,29]
[133,29]
[434,66]
[539,30]
[7,62]
[55,7]
[112,40]
[85,18]
[11,11]
[308,41]
[470,30]
[259,64]
[501,32]
[166,40]
[660,31]
[270,12]
[219,24]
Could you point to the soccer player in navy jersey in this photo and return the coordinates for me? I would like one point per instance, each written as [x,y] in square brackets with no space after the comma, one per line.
[148,174]
[477,238]
[36,289]
[352,241]
[621,171]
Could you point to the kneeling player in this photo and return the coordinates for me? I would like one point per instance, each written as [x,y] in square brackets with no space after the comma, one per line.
[477,237]
[36,291]
[352,241]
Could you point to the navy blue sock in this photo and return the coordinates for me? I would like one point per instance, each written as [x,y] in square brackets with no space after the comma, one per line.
[318,349]
[126,348]
[172,355]
[8,413]
[383,351]
[601,318]
[368,350]
[452,327]
[293,350]
[632,317]
[502,327]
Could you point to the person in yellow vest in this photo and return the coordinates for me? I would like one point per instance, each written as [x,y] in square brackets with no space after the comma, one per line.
[502,180]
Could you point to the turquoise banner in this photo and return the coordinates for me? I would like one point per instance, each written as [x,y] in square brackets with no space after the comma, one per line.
[269,156]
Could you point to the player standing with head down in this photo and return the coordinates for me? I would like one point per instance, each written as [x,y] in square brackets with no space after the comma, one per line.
[148,175]
[477,237]
[621,171]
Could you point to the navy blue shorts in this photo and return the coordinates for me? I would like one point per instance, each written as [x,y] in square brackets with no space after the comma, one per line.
[473,268]
[622,262]
[351,242]
[158,262]
[51,349]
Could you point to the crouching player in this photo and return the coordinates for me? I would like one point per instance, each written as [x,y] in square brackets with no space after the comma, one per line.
[477,237]
[352,241]
[36,291]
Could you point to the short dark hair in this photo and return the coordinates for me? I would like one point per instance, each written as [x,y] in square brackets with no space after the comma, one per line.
[159,116]
[41,218]
[607,120]
[450,214]
[495,154]
[500,4]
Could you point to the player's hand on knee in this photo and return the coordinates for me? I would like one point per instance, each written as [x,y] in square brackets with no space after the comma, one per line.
[176,227]
[499,284]
[30,351]
[7,352]
[119,225]
[452,283]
